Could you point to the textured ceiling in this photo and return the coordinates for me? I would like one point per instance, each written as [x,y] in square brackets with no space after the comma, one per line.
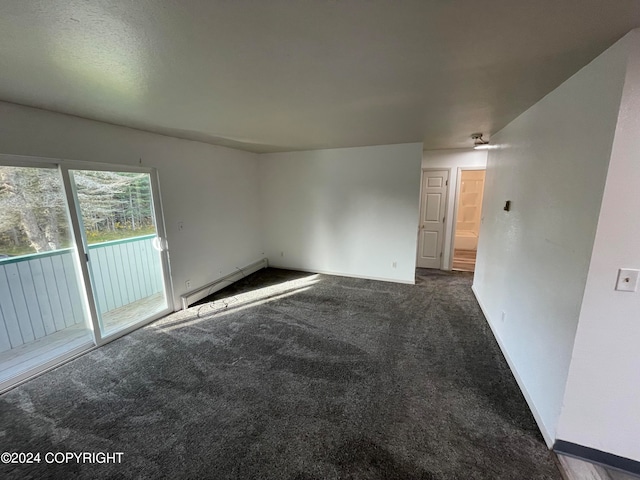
[273,75]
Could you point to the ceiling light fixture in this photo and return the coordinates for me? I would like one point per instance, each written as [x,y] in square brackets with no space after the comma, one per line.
[479,143]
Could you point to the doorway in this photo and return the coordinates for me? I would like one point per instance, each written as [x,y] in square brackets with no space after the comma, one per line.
[82,260]
[468,218]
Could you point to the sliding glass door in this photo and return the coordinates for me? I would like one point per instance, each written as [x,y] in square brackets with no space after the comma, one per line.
[82,260]
[43,311]
[124,249]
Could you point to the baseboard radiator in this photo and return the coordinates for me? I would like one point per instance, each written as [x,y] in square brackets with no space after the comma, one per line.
[608,460]
[202,292]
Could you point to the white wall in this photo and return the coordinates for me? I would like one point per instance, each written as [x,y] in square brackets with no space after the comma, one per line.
[213,190]
[533,261]
[347,211]
[602,400]
[452,160]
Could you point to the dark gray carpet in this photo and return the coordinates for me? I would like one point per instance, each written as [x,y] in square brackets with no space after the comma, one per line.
[320,378]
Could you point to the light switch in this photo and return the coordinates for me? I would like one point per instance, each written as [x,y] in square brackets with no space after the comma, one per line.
[627,280]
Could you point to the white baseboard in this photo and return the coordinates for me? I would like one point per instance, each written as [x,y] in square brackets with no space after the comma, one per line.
[206,290]
[340,274]
[548,438]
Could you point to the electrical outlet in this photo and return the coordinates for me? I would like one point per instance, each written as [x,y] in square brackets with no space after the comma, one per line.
[180,226]
[187,284]
[394,264]
[504,316]
[282,254]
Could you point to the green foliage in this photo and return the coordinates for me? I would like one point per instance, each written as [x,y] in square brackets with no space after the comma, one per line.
[15,250]
[119,234]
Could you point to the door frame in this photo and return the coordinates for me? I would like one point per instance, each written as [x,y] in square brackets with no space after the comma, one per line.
[63,166]
[456,200]
[446,210]
[79,236]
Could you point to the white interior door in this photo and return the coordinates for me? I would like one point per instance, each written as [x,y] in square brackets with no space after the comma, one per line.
[432,216]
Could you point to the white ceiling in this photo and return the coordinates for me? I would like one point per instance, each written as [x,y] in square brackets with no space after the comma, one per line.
[273,75]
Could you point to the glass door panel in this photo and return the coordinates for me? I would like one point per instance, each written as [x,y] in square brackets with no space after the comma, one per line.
[43,312]
[124,248]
